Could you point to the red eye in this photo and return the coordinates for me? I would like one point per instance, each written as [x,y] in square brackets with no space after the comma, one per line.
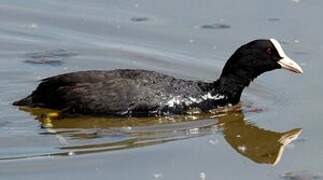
[269,51]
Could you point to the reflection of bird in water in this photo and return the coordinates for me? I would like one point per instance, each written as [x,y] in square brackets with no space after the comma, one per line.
[257,144]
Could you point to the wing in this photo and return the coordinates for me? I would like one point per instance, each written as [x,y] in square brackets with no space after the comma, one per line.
[104,92]
[117,96]
[114,92]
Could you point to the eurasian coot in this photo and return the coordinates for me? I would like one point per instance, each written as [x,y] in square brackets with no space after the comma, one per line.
[143,93]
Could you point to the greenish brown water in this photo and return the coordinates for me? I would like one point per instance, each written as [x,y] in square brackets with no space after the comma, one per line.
[186,39]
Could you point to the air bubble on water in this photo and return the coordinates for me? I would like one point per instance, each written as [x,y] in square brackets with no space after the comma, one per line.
[194,131]
[157,175]
[213,141]
[202,176]
[296,41]
[33,26]
[128,128]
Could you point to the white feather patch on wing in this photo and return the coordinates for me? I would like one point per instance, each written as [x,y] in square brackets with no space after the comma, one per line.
[178,100]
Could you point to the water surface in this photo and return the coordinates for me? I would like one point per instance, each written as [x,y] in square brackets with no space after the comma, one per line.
[186,39]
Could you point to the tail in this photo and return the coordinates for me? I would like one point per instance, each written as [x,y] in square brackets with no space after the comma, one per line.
[23,102]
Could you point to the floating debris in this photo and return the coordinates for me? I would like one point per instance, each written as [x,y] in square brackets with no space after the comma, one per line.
[294,41]
[51,54]
[301,175]
[44,61]
[273,19]
[139,19]
[55,57]
[216,26]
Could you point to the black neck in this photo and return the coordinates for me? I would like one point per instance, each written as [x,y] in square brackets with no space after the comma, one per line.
[234,79]
[232,87]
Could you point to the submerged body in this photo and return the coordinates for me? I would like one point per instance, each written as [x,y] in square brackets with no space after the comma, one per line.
[142,92]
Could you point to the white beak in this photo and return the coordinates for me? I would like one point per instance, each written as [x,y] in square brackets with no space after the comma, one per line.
[286,62]
[290,65]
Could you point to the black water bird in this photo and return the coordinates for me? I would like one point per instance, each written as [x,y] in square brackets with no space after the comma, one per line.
[143,93]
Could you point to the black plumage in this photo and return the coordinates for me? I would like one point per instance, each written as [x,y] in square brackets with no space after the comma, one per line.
[142,92]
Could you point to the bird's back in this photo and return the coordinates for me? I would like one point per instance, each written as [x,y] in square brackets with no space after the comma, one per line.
[114,92]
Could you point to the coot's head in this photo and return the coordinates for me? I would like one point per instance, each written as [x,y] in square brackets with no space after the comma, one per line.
[257,57]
